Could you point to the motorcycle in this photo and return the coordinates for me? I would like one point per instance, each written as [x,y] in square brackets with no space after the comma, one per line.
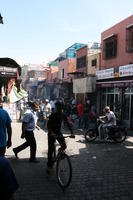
[116,133]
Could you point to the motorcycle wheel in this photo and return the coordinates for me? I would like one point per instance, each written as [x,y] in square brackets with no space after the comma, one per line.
[90,135]
[120,136]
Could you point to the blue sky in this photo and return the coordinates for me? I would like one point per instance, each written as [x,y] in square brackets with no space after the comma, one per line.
[36,31]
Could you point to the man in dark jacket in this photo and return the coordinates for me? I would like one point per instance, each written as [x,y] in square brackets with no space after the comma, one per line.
[54,128]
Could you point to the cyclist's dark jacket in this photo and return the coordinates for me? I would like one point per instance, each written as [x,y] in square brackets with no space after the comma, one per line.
[55,120]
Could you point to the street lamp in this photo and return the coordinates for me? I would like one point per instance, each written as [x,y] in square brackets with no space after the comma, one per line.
[1,19]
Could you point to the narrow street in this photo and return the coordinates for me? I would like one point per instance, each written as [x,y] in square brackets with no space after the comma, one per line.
[101,170]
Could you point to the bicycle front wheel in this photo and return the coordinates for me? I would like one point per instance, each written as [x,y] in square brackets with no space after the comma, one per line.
[64,171]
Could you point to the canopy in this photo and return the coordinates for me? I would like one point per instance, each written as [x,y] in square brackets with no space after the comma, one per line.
[14,96]
[84,85]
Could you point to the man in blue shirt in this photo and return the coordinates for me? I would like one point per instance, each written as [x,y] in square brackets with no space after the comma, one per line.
[5,130]
[28,126]
[8,182]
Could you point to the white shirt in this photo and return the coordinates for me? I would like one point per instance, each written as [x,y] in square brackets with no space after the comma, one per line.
[111,118]
[47,108]
[52,104]
[30,118]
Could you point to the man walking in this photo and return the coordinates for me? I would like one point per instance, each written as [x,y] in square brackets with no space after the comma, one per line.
[28,126]
[5,130]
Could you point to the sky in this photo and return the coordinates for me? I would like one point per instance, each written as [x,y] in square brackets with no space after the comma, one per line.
[37,31]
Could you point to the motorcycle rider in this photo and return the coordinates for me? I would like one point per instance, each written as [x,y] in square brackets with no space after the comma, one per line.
[108,120]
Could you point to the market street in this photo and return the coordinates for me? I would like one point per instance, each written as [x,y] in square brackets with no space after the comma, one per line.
[101,170]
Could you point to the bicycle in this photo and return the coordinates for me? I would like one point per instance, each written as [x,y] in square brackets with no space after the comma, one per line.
[63,166]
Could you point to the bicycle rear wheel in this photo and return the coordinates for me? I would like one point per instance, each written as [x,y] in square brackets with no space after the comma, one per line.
[64,171]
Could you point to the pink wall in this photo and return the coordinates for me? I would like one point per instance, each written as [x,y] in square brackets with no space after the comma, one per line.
[69,65]
[52,73]
[123,57]
[80,53]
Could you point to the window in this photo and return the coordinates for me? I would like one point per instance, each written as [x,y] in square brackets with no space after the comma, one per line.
[94,63]
[81,62]
[62,73]
[129,39]
[110,47]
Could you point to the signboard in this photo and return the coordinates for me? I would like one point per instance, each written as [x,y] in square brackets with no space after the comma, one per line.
[115,84]
[126,70]
[8,72]
[105,74]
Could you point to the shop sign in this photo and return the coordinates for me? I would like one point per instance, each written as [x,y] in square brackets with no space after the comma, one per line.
[105,74]
[8,71]
[115,84]
[126,70]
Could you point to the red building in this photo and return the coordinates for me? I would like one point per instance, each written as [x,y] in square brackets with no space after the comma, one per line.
[115,77]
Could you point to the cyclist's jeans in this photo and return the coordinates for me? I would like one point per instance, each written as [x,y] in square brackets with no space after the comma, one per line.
[51,141]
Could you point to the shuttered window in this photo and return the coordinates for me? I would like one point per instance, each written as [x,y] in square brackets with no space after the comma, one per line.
[129,39]
[110,47]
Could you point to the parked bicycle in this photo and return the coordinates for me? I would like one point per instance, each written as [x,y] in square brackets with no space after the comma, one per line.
[63,166]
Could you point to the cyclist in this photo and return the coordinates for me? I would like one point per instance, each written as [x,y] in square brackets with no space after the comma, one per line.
[54,130]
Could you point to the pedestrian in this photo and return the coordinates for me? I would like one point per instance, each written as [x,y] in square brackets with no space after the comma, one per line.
[52,103]
[8,181]
[86,115]
[5,130]
[28,126]
[80,108]
[47,111]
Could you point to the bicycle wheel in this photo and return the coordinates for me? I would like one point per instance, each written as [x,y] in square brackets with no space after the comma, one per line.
[64,171]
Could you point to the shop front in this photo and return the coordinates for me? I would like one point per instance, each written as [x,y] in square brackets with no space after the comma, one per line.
[117,92]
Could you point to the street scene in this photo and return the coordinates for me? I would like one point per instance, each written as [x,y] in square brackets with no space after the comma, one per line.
[66,100]
[101,170]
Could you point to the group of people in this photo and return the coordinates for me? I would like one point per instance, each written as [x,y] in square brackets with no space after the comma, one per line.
[59,113]
[8,181]
[85,112]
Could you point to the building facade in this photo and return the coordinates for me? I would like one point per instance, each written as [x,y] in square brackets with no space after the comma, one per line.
[115,77]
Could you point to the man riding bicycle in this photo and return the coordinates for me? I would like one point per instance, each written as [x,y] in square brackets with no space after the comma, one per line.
[54,131]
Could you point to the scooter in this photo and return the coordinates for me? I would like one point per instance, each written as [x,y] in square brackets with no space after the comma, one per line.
[116,133]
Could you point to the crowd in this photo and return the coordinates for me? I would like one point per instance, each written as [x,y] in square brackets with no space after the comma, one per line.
[79,114]
[8,181]
[56,112]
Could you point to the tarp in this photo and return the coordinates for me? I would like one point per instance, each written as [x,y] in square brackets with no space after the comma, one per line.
[84,85]
[15,96]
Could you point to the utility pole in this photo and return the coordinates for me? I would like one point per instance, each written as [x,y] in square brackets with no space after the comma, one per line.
[1,19]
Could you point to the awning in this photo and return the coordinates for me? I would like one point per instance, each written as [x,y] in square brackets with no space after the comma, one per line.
[84,85]
[8,62]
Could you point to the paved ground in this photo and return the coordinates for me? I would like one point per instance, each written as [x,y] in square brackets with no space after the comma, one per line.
[101,170]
